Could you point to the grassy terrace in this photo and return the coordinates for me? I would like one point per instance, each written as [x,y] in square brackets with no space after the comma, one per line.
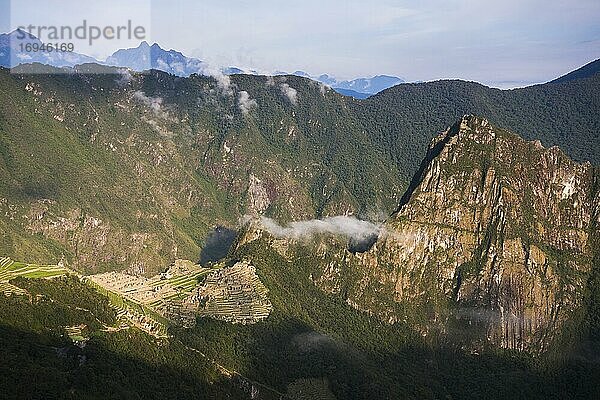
[184,283]
[10,269]
[234,293]
[139,313]
[149,297]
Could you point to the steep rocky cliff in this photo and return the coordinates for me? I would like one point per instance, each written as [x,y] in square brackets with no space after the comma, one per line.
[492,241]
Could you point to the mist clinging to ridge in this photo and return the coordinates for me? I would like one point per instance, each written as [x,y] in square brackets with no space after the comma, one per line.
[347,226]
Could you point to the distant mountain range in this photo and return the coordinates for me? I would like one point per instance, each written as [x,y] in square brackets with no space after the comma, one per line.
[360,88]
[146,57]
[372,85]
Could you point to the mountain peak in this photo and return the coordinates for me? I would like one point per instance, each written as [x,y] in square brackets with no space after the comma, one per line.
[480,181]
[586,71]
[146,56]
[301,73]
[470,127]
[21,33]
[12,38]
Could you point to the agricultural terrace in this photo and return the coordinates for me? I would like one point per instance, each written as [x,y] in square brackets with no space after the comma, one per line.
[10,269]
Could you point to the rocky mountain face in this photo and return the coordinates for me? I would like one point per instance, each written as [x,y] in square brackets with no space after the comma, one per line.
[146,57]
[502,225]
[130,171]
[124,171]
[492,242]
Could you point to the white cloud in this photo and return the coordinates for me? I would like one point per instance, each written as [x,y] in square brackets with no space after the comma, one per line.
[158,128]
[154,103]
[223,81]
[323,88]
[342,225]
[124,77]
[290,93]
[310,341]
[246,103]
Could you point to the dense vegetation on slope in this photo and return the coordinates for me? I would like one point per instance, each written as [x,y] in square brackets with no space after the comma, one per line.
[406,117]
[110,179]
[313,341]
[586,71]
[114,171]
[109,173]
[39,361]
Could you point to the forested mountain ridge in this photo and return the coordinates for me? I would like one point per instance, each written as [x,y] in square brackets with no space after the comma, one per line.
[126,170]
[558,114]
[114,171]
[586,71]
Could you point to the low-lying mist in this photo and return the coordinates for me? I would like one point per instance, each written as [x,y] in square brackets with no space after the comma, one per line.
[361,235]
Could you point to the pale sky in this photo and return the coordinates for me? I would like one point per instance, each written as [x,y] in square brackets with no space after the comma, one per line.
[499,43]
